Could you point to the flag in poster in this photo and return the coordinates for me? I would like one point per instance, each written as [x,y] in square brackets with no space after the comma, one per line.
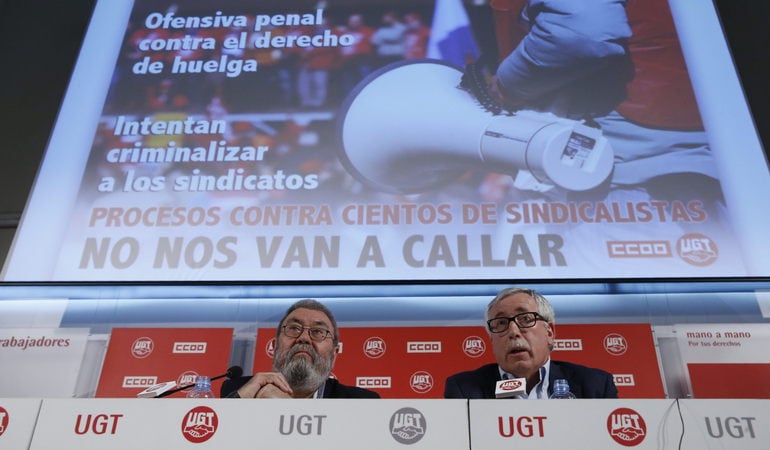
[451,39]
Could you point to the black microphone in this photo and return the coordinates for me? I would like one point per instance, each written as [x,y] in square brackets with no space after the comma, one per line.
[232,372]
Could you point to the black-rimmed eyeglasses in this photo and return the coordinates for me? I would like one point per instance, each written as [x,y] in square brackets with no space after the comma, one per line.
[316,334]
[523,320]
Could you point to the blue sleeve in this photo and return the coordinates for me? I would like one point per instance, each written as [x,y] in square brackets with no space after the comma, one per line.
[567,40]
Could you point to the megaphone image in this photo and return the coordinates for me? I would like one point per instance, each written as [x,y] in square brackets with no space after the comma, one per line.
[409,128]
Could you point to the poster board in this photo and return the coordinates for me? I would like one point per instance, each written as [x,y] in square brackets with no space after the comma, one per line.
[233,142]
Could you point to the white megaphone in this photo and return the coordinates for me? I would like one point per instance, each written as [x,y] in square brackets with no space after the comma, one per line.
[408,128]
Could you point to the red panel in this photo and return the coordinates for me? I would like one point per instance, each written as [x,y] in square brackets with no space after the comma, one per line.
[136,355]
[417,360]
[730,380]
[625,350]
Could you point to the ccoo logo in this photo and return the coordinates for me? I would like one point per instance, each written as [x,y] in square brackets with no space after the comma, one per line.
[423,347]
[374,347]
[189,347]
[139,381]
[615,344]
[373,382]
[421,382]
[639,249]
[626,427]
[474,346]
[697,249]
[624,379]
[199,424]
[142,347]
[568,345]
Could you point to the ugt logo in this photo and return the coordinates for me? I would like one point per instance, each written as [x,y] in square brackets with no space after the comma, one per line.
[615,344]
[199,424]
[697,249]
[142,347]
[421,382]
[374,347]
[407,425]
[474,346]
[626,427]
[3,420]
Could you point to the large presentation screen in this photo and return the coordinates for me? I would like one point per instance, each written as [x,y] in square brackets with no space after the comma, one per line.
[341,140]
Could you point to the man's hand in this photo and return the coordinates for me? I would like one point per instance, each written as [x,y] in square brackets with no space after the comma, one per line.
[274,380]
[272,391]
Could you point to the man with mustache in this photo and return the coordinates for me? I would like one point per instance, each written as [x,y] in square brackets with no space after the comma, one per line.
[307,341]
[520,323]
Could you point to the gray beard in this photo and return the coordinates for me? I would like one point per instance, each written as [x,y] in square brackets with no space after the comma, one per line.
[304,376]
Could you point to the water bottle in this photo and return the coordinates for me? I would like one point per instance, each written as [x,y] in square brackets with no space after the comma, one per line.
[202,388]
[561,390]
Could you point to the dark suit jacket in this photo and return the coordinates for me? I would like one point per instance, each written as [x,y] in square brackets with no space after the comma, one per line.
[332,389]
[584,382]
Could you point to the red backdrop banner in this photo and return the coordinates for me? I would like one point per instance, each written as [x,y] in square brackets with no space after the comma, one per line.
[138,358]
[709,380]
[413,362]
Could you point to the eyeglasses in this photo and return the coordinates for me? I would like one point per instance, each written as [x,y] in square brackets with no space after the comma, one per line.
[523,320]
[316,334]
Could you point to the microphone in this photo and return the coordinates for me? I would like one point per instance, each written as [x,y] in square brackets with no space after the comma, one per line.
[167,388]
[232,372]
[510,388]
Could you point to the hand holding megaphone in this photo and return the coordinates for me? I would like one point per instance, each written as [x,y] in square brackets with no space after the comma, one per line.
[408,128]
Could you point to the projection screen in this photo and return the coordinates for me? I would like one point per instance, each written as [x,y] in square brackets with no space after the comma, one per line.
[390,140]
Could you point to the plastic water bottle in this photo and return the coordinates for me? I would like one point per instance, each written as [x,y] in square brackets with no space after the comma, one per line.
[202,388]
[561,390]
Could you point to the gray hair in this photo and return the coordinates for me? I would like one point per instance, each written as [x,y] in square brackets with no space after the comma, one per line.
[315,305]
[544,307]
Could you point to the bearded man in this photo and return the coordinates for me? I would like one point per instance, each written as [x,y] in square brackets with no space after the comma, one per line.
[307,341]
